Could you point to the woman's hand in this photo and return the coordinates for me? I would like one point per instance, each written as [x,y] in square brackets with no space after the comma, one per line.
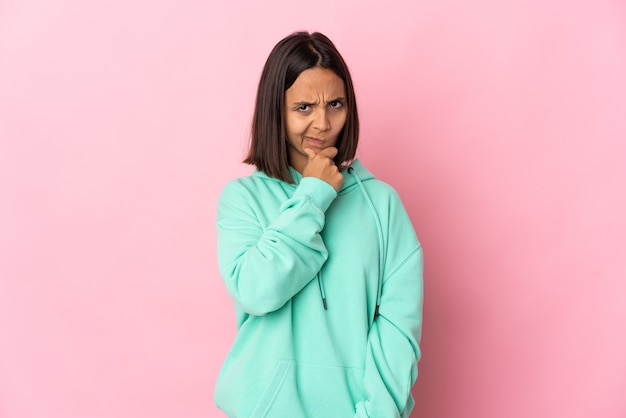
[322,166]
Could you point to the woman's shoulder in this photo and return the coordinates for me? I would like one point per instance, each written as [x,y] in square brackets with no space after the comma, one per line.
[375,186]
[251,185]
[253,179]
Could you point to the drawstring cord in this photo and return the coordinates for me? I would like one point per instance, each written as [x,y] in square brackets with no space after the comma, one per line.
[381,249]
[320,281]
[381,244]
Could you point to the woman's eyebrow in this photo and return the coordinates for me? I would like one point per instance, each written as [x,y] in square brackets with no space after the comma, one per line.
[310,103]
[337,99]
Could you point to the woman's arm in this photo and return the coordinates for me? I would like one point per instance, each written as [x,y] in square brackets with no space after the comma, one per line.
[263,268]
[393,340]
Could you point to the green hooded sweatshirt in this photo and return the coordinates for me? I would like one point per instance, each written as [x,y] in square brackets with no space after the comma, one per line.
[306,267]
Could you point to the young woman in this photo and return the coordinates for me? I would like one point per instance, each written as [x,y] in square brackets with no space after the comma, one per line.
[320,258]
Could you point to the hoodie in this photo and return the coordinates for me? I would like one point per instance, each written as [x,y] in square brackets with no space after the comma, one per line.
[307,268]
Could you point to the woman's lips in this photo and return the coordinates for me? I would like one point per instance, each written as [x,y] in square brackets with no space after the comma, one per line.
[314,141]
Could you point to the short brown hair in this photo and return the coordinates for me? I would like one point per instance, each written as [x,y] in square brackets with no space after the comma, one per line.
[291,56]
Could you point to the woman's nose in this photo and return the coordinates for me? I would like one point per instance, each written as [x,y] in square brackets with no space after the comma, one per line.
[321,122]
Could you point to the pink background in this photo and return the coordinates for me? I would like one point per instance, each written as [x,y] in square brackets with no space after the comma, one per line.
[502,124]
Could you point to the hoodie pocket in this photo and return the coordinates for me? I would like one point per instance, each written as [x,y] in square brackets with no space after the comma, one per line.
[301,390]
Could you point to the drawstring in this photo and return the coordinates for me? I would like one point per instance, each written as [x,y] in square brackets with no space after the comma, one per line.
[381,249]
[381,246]
[320,281]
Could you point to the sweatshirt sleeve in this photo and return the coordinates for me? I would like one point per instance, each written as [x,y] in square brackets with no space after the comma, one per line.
[263,268]
[393,340]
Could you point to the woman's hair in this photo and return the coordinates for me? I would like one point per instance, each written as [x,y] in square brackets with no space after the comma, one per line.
[290,57]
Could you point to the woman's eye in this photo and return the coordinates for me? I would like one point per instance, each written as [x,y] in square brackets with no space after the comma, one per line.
[303,108]
[335,104]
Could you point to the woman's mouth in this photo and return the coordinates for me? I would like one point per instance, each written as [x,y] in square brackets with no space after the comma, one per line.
[314,141]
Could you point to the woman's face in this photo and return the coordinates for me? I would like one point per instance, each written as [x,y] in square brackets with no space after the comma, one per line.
[315,113]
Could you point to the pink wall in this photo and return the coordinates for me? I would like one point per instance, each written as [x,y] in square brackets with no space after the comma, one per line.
[501,124]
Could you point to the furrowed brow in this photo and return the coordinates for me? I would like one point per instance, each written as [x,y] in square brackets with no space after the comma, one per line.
[337,99]
[301,103]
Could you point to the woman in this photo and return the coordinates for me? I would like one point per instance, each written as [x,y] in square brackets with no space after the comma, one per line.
[319,257]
